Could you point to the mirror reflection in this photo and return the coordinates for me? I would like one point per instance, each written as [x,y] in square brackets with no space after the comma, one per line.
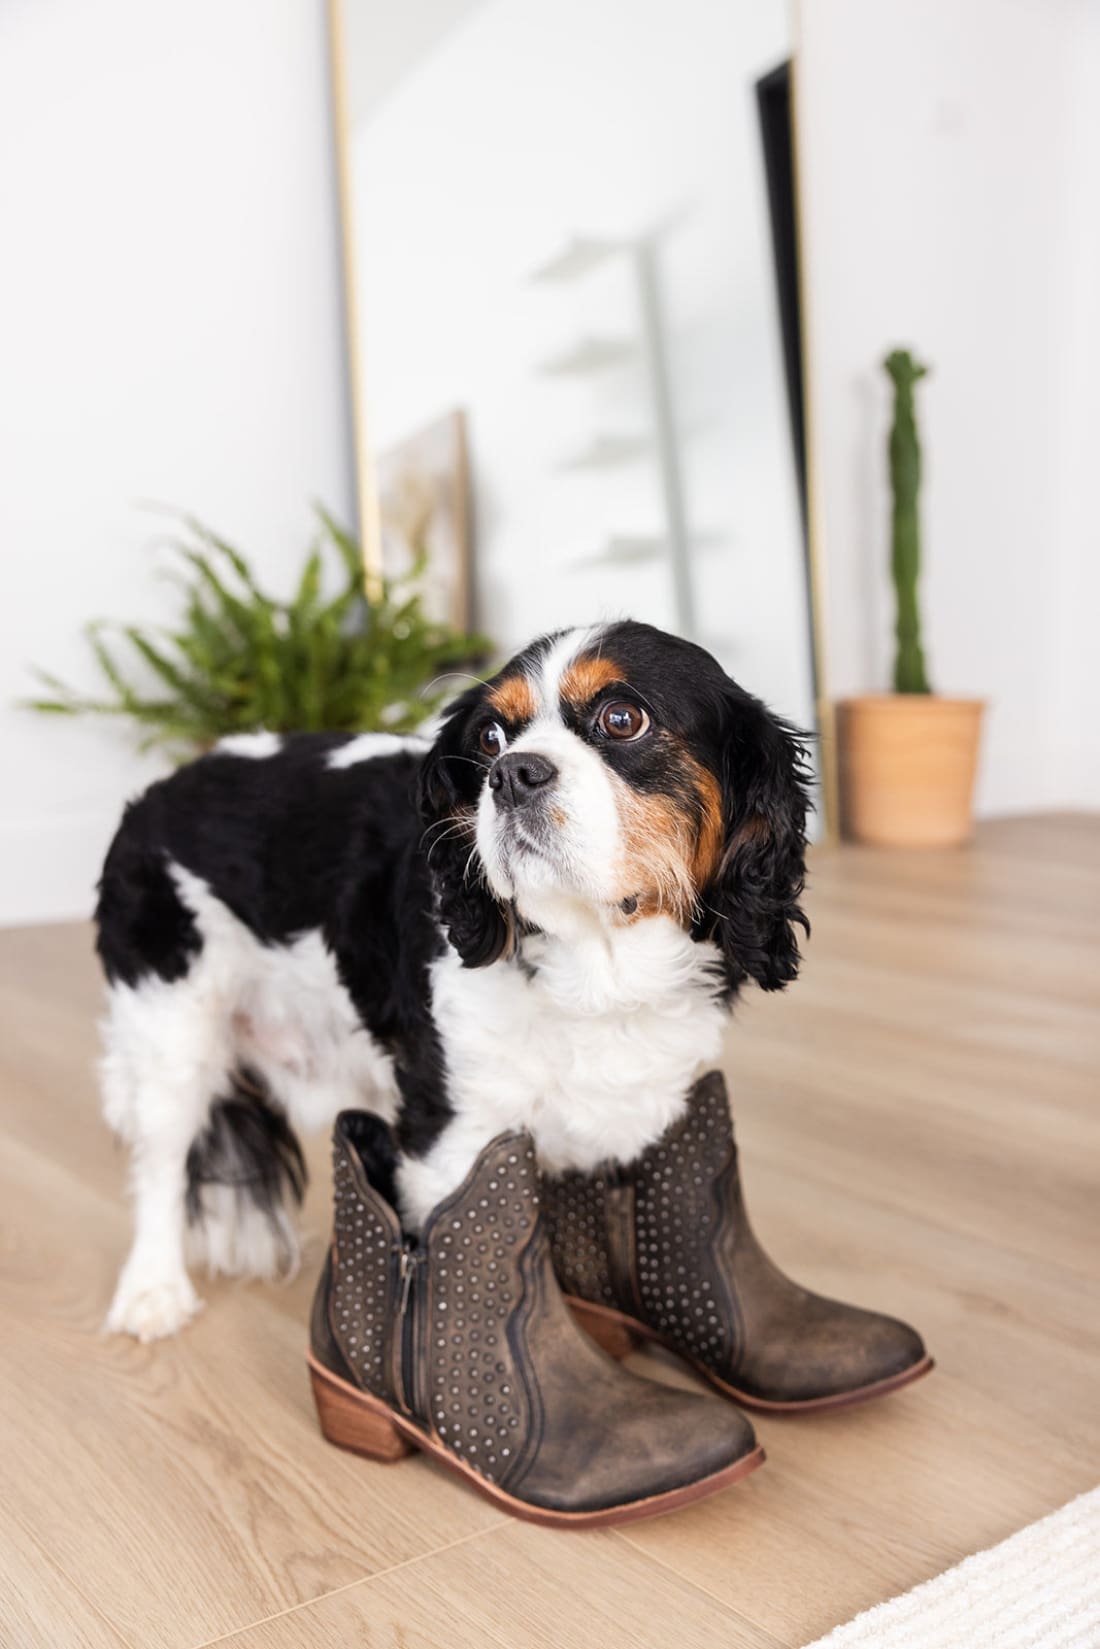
[576,307]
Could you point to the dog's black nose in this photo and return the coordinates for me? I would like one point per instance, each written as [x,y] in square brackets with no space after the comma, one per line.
[518,775]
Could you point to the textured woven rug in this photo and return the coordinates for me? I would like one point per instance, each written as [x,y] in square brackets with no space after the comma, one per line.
[1040,1589]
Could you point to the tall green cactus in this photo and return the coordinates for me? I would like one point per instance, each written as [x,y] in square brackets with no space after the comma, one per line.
[909,673]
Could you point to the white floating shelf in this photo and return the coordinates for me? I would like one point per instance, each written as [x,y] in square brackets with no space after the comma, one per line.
[609,450]
[591,355]
[626,550]
[581,254]
[636,549]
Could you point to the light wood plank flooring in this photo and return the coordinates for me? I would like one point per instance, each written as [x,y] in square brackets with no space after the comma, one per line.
[920,1121]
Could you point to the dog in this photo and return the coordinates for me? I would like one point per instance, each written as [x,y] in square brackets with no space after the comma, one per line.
[539,920]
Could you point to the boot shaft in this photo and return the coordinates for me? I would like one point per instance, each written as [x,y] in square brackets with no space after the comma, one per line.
[422,1323]
[362,1282]
[644,1239]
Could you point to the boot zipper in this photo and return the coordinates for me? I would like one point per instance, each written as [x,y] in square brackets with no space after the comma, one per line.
[621,1242]
[404,1360]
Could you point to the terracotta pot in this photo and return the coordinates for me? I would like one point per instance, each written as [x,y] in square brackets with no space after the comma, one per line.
[907,767]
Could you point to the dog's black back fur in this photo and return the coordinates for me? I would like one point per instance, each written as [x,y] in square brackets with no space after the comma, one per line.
[290,846]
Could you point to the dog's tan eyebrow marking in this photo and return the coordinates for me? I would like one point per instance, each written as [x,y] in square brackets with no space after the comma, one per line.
[587,677]
[514,699]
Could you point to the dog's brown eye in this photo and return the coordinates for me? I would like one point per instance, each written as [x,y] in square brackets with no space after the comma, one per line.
[492,738]
[622,720]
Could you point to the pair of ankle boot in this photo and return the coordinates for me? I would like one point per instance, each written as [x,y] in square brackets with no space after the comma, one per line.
[465,1342]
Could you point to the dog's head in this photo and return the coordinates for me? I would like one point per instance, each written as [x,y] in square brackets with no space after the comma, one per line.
[613,775]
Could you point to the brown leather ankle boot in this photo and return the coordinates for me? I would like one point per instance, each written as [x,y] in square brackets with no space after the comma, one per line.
[459,1343]
[664,1250]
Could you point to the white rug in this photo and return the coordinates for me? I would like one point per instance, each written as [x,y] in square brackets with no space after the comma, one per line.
[1040,1589]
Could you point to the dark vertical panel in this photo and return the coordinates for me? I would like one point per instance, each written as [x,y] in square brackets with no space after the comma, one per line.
[773,97]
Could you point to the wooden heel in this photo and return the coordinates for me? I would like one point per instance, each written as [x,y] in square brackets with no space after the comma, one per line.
[611,1332]
[354,1421]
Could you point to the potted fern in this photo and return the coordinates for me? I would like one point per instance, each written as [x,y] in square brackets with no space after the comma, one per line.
[908,759]
[239,659]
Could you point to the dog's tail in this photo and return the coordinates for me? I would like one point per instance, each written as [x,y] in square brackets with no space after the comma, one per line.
[246,1177]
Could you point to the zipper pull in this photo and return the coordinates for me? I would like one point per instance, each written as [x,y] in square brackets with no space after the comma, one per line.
[406,1270]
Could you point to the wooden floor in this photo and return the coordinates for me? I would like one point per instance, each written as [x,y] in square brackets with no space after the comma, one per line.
[920,1118]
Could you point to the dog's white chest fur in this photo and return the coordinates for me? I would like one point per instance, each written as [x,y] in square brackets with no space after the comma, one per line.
[591,1044]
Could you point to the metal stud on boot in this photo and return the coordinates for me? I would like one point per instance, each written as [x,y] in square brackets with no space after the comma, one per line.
[664,1250]
[459,1343]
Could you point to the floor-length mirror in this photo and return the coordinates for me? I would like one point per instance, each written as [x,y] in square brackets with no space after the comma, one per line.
[574,294]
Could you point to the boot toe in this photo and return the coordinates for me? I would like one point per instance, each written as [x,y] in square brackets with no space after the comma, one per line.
[900,1348]
[655,1441]
[703,1436]
[878,1348]
[839,1351]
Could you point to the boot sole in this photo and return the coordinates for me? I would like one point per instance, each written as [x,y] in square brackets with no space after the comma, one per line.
[354,1420]
[619,1335]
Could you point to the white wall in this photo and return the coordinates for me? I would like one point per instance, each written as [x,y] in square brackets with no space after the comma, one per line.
[951,177]
[1076,698]
[169,330]
[530,123]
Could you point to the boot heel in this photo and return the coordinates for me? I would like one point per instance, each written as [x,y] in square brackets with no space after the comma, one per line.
[611,1332]
[352,1421]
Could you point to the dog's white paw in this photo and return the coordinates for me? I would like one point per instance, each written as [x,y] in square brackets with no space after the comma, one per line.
[152,1308]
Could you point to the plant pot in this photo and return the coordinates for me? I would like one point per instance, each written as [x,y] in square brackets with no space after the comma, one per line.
[907,767]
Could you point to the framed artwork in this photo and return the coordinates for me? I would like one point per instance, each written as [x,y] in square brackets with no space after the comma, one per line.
[424,511]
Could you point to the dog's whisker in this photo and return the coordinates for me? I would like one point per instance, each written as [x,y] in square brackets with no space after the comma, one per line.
[451,675]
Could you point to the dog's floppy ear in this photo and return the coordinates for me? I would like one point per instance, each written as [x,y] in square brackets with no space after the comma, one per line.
[478,927]
[750,906]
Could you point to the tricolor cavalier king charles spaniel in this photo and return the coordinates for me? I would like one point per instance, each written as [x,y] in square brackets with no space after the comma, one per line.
[538,921]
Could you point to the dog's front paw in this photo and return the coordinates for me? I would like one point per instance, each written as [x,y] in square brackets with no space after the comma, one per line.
[152,1308]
